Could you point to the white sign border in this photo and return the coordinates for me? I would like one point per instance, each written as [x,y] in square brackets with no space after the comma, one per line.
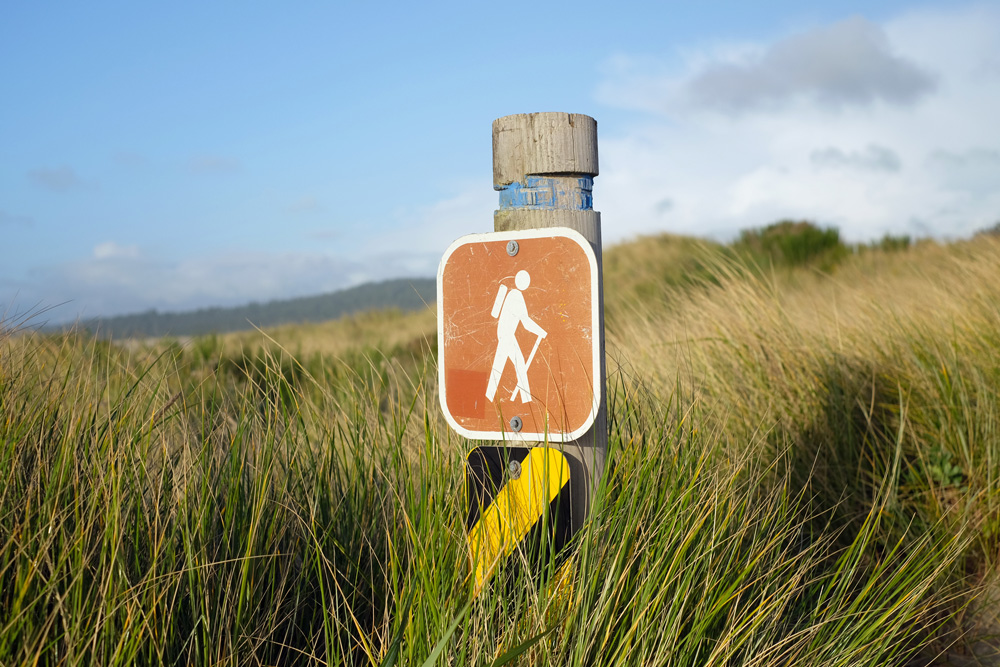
[522,438]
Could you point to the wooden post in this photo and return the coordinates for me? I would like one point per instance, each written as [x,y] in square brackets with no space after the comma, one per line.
[544,166]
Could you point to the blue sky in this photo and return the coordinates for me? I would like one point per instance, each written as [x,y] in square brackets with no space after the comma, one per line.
[185,155]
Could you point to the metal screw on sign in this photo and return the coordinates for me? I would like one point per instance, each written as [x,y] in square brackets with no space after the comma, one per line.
[512,248]
[515,424]
[514,468]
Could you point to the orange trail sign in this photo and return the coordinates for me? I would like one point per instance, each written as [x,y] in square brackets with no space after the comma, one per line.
[518,335]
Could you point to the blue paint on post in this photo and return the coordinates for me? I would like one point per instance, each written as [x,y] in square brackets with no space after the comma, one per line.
[574,193]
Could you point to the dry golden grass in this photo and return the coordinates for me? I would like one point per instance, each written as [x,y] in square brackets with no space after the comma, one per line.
[377,330]
[635,272]
[789,326]
[804,469]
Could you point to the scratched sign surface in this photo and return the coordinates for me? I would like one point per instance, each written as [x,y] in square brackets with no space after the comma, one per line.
[517,354]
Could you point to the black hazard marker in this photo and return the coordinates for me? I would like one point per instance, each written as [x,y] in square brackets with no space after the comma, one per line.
[517,498]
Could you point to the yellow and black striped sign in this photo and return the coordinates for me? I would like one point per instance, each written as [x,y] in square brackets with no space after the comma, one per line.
[518,502]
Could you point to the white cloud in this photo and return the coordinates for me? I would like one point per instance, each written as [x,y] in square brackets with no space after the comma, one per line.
[122,279]
[117,278]
[112,250]
[873,158]
[874,128]
[975,171]
[422,233]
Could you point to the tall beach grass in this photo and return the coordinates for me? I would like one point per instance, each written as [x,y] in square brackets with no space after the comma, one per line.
[802,470]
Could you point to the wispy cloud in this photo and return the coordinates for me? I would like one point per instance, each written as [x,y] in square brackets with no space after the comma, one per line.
[974,171]
[421,234]
[112,250]
[56,179]
[130,159]
[119,278]
[15,220]
[848,63]
[213,164]
[305,205]
[874,158]
[325,234]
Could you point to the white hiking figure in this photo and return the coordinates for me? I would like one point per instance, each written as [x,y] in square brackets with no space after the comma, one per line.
[510,311]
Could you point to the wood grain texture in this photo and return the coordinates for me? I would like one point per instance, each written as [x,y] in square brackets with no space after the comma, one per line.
[543,143]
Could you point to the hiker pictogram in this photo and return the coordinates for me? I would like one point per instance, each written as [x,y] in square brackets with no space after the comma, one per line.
[518,336]
[510,311]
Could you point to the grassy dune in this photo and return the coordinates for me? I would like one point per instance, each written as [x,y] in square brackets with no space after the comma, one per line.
[803,469]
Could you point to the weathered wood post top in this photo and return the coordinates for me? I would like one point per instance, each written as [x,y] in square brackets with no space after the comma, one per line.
[544,166]
[543,143]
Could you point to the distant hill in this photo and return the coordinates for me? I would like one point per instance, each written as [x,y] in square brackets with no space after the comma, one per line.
[637,274]
[402,293]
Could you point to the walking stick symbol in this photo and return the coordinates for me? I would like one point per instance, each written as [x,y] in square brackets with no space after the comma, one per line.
[527,364]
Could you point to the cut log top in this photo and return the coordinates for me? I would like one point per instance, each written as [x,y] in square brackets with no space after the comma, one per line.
[543,143]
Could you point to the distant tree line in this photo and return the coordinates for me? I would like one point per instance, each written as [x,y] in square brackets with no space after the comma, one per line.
[403,293]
